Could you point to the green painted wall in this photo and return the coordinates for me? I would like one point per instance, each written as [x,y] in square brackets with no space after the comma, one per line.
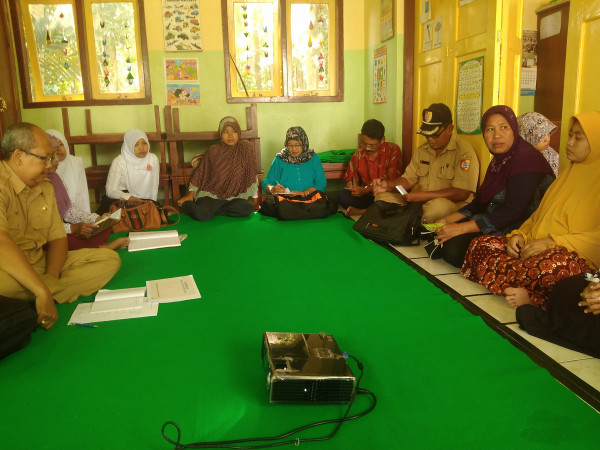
[389,113]
[329,125]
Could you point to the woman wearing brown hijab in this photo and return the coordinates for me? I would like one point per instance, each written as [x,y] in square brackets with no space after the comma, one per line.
[225,180]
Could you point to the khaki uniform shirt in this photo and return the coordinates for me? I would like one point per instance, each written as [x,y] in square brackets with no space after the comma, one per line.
[457,166]
[29,215]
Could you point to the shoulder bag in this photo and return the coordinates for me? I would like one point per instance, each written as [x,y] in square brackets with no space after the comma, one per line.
[391,223]
[142,215]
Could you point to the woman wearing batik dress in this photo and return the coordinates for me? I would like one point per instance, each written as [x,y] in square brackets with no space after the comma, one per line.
[561,238]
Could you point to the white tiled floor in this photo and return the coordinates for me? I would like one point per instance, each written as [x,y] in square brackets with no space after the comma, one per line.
[582,366]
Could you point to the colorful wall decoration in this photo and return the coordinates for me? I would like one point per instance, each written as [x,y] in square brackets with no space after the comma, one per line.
[181,25]
[181,77]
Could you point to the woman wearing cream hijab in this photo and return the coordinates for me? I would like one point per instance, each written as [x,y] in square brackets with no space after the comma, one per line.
[561,239]
[71,172]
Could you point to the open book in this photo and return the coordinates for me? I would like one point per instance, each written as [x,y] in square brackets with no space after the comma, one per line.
[147,240]
[172,289]
[105,223]
[119,299]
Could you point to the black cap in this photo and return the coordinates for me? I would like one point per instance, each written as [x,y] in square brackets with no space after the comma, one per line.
[435,117]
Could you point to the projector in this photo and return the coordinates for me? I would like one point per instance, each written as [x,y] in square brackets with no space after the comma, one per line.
[306,368]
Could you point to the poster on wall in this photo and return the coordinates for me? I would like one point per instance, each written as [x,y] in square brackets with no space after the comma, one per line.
[380,75]
[425,11]
[437,32]
[181,25]
[427,35]
[529,62]
[387,19]
[181,76]
[469,96]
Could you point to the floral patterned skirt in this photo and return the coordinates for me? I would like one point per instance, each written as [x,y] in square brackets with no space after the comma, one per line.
[488,264]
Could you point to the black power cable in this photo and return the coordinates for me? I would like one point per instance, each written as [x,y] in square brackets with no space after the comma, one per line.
[236,444]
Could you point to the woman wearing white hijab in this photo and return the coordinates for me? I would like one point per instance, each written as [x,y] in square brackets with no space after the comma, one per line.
[71,172]
[133,175]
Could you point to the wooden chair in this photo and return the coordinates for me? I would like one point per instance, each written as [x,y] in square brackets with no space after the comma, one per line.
[97,174]
[181,170]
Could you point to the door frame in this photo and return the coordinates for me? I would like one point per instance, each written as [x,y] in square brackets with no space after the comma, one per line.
[8,82]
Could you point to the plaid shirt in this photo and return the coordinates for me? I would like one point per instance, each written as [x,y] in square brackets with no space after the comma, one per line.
[387,165]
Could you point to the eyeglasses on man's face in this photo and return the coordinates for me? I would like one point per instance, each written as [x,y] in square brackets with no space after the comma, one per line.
[369,146]
[47,159]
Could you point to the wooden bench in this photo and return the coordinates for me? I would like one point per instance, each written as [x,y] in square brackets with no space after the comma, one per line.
[97,174]
[181,170]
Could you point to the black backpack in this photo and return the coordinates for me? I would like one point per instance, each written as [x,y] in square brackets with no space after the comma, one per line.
[391,223]
[18,319]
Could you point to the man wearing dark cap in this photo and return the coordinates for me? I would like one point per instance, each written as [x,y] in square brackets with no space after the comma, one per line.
[442,173]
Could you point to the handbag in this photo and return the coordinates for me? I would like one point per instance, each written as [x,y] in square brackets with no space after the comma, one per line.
[142,215]
[391,223]
[18,319]
[315,205]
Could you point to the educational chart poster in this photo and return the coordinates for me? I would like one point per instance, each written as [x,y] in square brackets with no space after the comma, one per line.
[181,76]
[437,32]
[469,96]
[387,19]
[427,35]
[380,75]
[181,25]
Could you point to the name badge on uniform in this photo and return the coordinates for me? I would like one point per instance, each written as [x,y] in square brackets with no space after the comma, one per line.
[465,164]
[424,162]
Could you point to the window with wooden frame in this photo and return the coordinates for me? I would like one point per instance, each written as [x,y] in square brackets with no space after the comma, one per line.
[81,52]
[283,50]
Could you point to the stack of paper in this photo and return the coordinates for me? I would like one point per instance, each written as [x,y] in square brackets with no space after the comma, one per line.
[131,303]
[172,289]
[147,240]
[115,305]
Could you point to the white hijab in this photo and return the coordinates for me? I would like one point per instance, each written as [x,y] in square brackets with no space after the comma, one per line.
[139,171]
[72,174]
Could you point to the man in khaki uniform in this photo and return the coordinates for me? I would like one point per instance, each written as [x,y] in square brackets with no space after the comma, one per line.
[35,262]
[442,173]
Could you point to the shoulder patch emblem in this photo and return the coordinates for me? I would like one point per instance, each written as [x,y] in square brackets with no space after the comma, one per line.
[465,164]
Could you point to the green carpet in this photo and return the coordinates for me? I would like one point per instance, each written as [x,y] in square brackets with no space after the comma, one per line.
[443,379]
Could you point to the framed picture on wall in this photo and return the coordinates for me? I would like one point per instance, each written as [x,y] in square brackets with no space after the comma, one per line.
[387,19]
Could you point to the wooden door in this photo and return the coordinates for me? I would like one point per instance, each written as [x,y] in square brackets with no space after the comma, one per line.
[10,111]
[484,28]
[582,65]
[553,26]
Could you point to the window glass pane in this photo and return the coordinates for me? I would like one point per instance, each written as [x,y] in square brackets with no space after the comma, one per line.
[57,50]
[253,31]
[115,44]
[310,46]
